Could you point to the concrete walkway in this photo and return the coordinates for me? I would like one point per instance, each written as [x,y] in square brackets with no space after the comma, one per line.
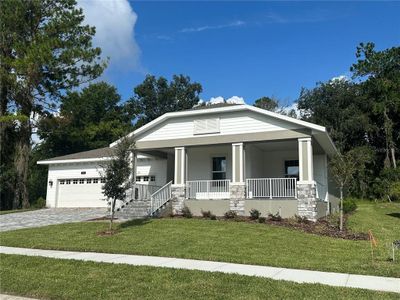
[49,216]
[376,283]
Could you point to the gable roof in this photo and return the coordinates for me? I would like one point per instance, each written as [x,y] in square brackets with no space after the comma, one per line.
[91,155]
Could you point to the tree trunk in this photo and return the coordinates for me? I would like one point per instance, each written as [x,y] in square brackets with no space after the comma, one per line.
[341,208]
[112,213]
[23,150]
[392,151]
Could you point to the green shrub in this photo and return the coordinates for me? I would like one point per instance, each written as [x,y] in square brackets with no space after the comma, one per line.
[206,214]
[262,219]
[213,217]
[275,217]
[186,212]
[349,205]
[254,214]
[39,203]
[394,191]
[230,214]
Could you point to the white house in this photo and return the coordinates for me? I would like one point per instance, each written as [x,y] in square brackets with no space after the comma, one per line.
[217,158]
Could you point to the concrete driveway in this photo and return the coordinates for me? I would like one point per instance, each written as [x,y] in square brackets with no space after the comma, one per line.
[49,216]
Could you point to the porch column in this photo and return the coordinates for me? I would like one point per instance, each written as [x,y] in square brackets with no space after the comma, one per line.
[134,170]
[178,188]
[305,160]
[306,188]
[237,186]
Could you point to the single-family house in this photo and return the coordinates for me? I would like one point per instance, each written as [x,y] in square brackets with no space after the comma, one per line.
[212,158]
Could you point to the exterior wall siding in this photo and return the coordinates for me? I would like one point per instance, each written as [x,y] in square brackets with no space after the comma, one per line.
[230,123]
[285,207]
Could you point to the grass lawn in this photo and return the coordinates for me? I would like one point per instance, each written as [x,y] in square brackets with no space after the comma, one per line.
[12,211]
[250,243]
[63,279]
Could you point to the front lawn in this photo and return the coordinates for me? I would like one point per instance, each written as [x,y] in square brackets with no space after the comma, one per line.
[64,279]
[230,241]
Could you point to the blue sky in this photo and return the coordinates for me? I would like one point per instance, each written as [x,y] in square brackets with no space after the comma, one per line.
[248,50]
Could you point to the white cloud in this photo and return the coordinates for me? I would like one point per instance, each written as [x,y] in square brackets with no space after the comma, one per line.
[341,78]
[211,27]
[216,100]
[115,24]
[235,100]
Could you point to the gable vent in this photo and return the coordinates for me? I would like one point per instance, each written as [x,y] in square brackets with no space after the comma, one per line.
[204,126]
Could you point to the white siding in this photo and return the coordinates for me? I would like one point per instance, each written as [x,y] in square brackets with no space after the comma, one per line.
[90,195]
[321,175]
[230,123]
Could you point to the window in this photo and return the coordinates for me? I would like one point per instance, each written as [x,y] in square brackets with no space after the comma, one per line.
[292,169]
[218,168]
[62,181]
[153,178]
[145,178]
[138,178]
[95,180]
[68,181]
[75,181]
[88,181]
[81,181]
[103,180]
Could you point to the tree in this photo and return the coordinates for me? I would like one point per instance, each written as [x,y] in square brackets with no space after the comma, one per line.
[156,96]
[382,84]
[89,119]
[45,49]
[117,173]
[342,168]
[267,103]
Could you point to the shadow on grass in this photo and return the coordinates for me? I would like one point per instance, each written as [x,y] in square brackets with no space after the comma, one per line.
[133,223]
[395,215]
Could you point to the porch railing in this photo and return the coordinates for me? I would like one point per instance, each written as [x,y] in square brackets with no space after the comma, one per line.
[160,197]
[142,191]
[271,188]
[208,189]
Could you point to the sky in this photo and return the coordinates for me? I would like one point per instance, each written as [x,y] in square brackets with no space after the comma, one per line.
[237,49]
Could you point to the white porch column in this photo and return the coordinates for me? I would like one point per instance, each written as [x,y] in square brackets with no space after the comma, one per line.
[180,166]
[237,163]
[306,173]
[134,162]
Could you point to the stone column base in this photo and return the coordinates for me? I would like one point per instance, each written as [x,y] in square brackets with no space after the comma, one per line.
[178,198]
[307,201]
[237,197]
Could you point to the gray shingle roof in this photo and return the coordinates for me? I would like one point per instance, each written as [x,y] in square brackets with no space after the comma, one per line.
[96,153]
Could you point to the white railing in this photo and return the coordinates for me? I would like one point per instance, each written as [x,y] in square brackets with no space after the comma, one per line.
[271,188]
[160,197]
[321,191]
[141,191]
[207,189]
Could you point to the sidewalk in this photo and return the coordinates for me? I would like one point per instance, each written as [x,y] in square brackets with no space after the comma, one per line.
[376,283]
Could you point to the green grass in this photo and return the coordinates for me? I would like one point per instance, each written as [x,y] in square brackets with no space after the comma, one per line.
[237,242]
[13,211]
[64,279]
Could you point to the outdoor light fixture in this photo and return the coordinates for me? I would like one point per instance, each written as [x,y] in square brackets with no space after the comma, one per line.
[51,183]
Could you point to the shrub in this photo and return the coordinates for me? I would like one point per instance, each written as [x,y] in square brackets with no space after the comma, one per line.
[262,219]
[349,205]
[394,191]
[186,212]
[230,214]
[275,217]
[254,214]
[213,217]
[39,203]
[206,214]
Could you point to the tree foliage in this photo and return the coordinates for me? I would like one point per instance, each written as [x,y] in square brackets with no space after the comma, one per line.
[267,103]
[156,96]
[44,50]
[117,173]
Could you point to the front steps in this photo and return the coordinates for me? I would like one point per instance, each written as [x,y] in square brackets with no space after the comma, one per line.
[134,209]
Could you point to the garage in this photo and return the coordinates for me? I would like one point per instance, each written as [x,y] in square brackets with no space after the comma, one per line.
[80,192]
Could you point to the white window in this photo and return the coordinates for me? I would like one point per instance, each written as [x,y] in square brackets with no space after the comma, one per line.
[153,178]
[75,181]
[81,181]
[89,181]
[95,180]
[145,178]
[103,180]
[203,126]
[62,181]
[68,181]
[138,178]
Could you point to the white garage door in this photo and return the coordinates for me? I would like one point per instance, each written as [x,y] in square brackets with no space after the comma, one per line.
[82,192]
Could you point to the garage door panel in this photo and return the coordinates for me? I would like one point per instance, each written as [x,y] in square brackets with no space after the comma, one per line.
[80,194]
